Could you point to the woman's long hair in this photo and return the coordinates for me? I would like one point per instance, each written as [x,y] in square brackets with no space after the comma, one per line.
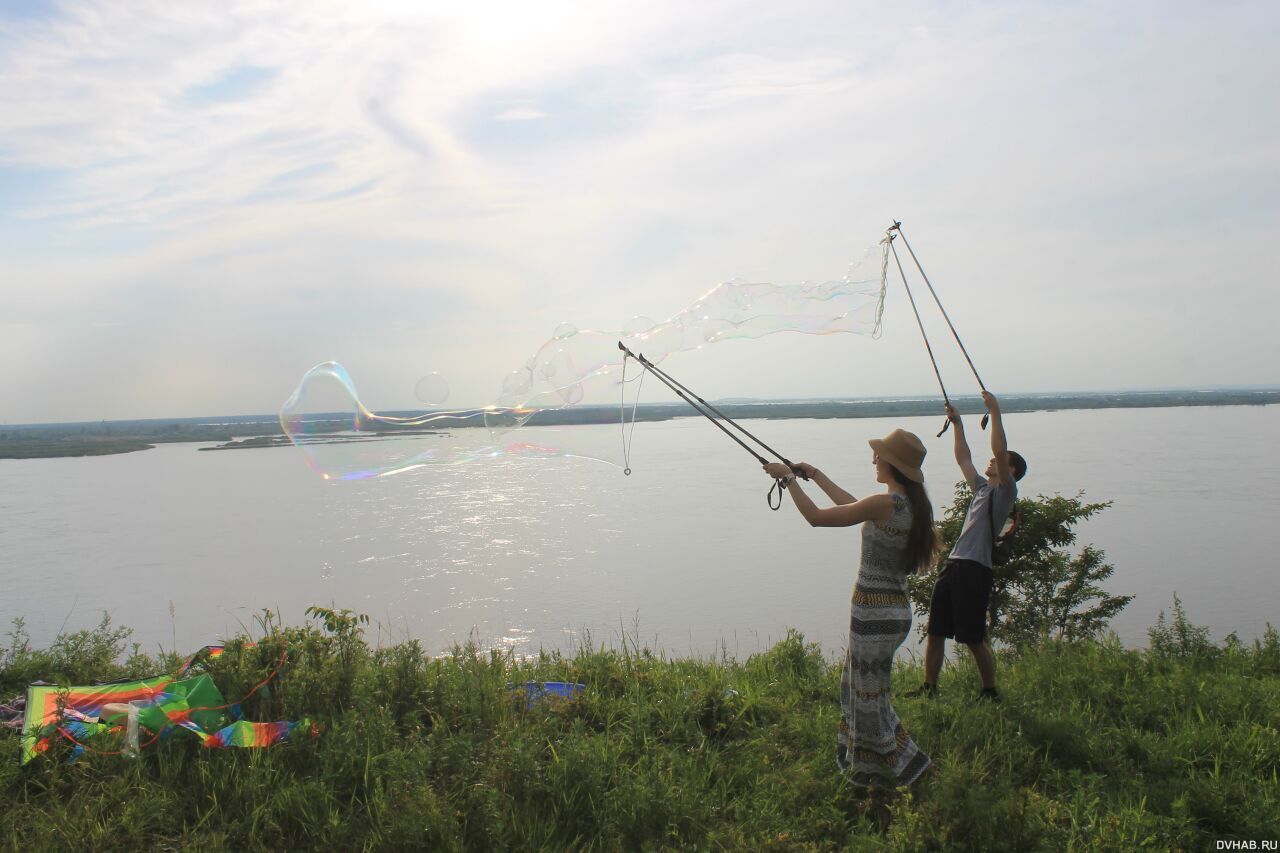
[922,542]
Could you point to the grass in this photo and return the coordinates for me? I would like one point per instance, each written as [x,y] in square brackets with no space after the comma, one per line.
[1095,747]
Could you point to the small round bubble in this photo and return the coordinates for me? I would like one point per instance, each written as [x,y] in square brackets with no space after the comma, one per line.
[572,394]
[431,389]
[565,330]
[713,329]
[638,325]
[517,382]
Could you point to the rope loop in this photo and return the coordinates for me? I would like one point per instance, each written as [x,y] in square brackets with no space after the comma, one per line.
[778,486]
[622,412]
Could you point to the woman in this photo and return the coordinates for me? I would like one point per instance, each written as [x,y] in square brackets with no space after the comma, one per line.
[899,540]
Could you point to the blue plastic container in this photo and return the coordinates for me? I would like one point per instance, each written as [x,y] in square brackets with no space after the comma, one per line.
[536,691]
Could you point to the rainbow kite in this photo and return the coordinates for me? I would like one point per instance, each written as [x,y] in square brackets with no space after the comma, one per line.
[162,705]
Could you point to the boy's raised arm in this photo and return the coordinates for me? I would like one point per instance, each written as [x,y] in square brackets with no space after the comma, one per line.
[961,446]
[999,443]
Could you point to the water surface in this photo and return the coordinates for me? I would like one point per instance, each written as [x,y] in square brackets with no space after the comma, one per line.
[682,555]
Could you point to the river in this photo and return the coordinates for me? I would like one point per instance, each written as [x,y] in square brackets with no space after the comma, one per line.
[683,555]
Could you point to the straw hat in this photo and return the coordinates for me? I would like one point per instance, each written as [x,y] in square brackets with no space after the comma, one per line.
[903,450]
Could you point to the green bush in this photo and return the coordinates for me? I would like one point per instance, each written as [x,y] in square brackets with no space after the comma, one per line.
[1043,592]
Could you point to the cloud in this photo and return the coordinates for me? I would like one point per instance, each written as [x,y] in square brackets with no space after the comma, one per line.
[520,112]
[488,170]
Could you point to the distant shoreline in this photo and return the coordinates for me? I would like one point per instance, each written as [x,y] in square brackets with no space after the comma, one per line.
[49,441]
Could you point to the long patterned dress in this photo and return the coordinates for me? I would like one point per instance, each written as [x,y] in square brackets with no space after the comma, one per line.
[872,744]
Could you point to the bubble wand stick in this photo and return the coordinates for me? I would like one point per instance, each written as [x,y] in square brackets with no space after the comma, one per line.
[684,394]
[897,226]
[889,239]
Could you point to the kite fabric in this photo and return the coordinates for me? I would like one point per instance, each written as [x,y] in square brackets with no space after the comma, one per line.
[163,705]
[246,734]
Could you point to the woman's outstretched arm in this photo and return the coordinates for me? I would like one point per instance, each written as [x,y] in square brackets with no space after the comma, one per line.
[875,508]
[822,481]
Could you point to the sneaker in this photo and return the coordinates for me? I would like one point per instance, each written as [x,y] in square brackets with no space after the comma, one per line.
[926,691]
[989,694]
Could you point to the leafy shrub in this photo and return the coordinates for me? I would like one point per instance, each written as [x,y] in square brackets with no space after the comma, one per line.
[76,657]
[1044,591]
[1181,639]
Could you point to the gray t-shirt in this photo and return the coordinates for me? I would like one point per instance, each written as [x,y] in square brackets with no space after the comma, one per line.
[975,537]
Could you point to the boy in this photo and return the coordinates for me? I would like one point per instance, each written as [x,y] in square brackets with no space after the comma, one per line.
[963,590]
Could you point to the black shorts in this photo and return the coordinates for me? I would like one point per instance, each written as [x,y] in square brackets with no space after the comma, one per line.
[959,604]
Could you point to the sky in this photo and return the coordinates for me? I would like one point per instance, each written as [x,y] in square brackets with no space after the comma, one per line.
[201,201]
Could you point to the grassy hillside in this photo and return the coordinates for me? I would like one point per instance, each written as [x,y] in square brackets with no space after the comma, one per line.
[1095,747]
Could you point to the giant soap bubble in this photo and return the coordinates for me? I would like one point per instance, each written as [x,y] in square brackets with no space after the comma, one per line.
[558,401]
